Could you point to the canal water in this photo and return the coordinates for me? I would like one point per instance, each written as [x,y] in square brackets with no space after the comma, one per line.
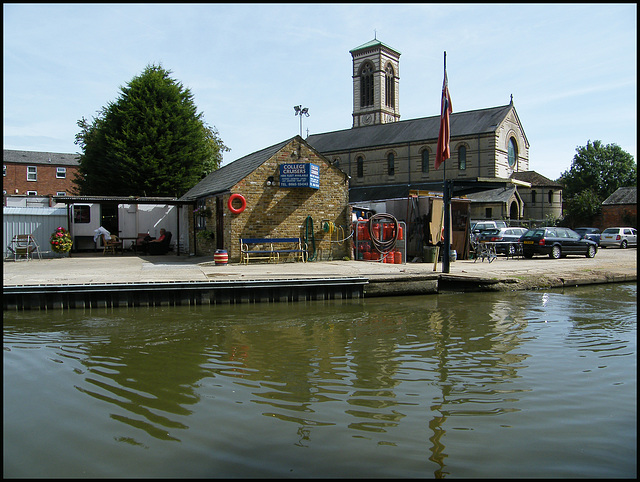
[522,384]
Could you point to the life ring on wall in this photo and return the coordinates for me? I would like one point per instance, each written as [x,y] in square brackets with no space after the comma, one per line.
[243,203]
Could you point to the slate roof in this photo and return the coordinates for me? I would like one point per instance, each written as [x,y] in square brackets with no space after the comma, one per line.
[535,179]
[373,43]
[499,195]
[424,129]
[228,176]
[32,157]
[623,195]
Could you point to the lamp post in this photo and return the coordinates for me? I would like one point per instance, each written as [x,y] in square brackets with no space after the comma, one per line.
[301,111]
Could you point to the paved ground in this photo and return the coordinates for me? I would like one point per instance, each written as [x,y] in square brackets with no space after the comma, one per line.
[609,264]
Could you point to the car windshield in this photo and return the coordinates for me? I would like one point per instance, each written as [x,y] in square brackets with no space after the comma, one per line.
[533,233]
[610,231]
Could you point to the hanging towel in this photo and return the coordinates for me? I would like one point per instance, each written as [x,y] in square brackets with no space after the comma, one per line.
[99,232]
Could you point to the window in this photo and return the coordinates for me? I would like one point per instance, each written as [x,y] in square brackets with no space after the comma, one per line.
[533,197]
[487,213]
[81,214]
[425,161]
[4,170]
[462,158]
[391,164]
[360,166]
[389,87]
[550,196]
[61,193]
[32,193]
[32,173]
[366,85]
[61,172]
[512,152]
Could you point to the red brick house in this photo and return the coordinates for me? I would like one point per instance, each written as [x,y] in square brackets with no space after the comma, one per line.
[621,208]
[38,173]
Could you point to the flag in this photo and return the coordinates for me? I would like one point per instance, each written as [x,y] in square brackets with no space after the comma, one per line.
[443,135]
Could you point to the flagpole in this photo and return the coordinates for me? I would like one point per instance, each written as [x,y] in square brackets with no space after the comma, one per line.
[447,208]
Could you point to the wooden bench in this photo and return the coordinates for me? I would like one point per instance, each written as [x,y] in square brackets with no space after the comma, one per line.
[271,249]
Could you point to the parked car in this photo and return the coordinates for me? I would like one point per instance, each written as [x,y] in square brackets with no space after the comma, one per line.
[479,226]
[556,242]
[622,237]
[484,225]
[506,238]
[590,233]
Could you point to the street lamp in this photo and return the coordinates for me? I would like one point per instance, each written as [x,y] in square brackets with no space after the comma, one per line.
[301,111]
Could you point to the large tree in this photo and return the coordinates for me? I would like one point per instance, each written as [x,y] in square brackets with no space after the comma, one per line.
[150,142]
[596,172]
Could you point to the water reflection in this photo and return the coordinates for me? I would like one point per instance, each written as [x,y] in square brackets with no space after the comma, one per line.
[398,372]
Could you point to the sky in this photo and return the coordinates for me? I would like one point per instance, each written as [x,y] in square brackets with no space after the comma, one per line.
[571,68]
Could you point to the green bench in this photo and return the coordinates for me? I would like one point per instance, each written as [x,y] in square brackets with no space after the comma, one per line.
[271,249]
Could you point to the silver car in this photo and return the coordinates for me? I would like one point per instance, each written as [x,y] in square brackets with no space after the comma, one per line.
[622,237]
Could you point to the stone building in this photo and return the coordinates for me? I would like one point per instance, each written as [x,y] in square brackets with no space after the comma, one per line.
[386,157]
[38,173]
[276,206]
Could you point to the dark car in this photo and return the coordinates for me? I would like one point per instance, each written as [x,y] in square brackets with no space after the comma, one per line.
[506,239]
[590,233]
[556,242]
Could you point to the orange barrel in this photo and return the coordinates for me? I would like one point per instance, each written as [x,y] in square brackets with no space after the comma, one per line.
[221,256]
[398,257]
[376,230]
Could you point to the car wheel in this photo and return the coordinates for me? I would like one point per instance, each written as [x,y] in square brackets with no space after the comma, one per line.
[623,244]
[556,252]
[512,250]
[591,251]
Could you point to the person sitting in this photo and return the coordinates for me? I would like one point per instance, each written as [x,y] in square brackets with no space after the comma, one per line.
[160,245]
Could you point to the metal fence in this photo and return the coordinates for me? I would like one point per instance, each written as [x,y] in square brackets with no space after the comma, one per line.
[40,222]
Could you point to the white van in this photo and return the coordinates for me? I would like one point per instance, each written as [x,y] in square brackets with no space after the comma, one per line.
[477,226]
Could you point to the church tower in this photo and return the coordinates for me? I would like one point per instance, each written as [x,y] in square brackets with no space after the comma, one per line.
[376,76]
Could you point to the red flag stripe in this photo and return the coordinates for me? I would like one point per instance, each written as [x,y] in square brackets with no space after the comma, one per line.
[444,134]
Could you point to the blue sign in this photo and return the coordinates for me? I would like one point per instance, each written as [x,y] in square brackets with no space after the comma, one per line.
[300,175]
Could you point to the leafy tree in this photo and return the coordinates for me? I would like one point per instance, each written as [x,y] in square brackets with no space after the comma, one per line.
[150,142]
[603,169]
[596,172]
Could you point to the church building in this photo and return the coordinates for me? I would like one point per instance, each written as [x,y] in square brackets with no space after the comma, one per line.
[386,157]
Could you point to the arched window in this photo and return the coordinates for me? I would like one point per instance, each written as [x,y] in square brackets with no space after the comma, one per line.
[389,87]
[513,152]
[462,158]
[425,161]
[360,166]
[366,85]
[391,168]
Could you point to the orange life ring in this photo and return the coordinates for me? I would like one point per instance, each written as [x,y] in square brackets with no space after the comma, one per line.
[243,203]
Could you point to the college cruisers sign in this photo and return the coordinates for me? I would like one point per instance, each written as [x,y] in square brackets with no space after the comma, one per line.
[300,175]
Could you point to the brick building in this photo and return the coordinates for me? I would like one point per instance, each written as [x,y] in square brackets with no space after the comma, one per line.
[273,207]
[38,173]
[621,208]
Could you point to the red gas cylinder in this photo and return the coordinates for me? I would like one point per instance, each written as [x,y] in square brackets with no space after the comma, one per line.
[367,255]
[375,255]
[398,257]
[400,233]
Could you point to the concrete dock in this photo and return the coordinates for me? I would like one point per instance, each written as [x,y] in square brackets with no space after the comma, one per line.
[93,279]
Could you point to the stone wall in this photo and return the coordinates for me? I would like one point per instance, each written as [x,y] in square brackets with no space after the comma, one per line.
[273,211]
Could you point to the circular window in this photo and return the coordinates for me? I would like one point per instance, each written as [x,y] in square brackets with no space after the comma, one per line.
[513,152]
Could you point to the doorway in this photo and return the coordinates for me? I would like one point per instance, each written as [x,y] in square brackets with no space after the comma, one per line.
[109,218]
